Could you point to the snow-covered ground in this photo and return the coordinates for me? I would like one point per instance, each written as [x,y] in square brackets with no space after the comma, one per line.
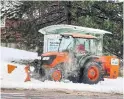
[17,77]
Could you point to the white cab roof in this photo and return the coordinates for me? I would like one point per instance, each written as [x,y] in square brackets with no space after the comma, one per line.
[64,28]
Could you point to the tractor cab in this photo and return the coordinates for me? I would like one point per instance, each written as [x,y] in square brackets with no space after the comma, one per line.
[74,34]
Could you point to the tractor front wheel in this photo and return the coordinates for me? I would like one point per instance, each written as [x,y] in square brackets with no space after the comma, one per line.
[91,73]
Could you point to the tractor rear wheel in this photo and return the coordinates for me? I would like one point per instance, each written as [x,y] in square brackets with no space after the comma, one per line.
[91,73]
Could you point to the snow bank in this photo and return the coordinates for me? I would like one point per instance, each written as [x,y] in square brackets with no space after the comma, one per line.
[17,77]
[10,54]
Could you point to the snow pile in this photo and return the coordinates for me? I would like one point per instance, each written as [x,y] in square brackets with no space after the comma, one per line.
[9,54]
[17,77]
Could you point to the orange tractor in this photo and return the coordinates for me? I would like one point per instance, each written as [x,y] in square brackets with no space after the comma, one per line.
[79,58]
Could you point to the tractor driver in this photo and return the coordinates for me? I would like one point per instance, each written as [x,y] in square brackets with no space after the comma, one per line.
[80,49]
[80,46]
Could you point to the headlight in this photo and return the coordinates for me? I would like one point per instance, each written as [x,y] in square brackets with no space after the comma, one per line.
[46,58]
[114,61]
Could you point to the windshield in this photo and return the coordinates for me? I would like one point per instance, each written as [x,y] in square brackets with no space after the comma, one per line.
[66,43]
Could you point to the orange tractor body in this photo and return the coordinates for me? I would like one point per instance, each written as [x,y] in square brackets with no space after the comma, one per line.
[60,58]
[110,64]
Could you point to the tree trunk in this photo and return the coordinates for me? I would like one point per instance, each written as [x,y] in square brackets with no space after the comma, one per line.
[69,15]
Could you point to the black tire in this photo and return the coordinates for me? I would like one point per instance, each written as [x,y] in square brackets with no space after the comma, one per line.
[86,79]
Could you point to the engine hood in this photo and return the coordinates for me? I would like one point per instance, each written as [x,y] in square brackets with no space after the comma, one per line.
[51,59]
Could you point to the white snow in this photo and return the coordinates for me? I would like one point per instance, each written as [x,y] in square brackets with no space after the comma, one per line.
[17,77]
[9,54]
